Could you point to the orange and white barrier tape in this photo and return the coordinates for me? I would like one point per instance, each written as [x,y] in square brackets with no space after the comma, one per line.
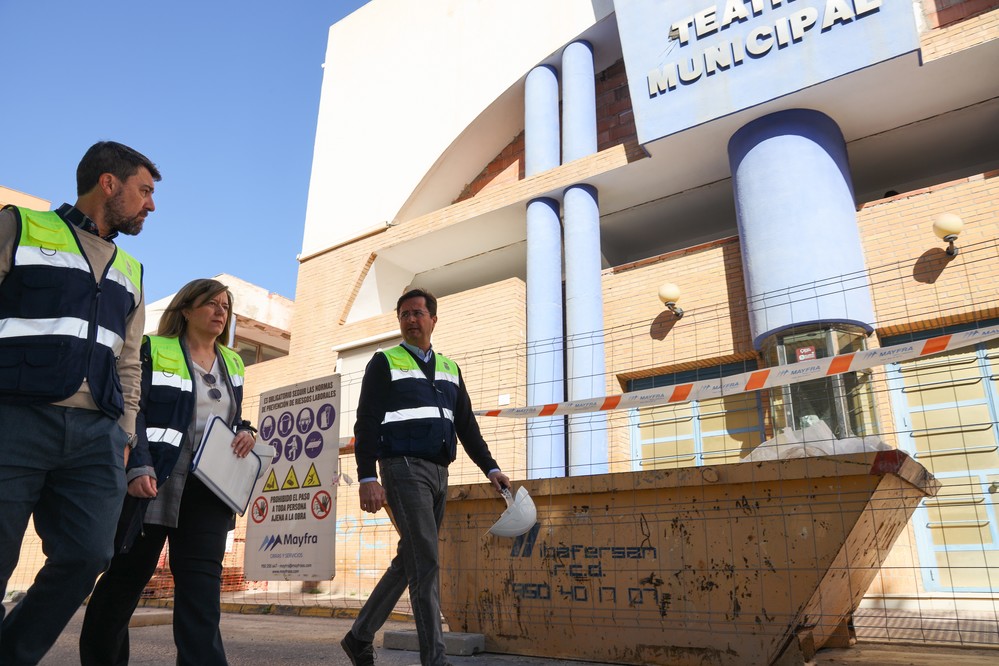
[781,375]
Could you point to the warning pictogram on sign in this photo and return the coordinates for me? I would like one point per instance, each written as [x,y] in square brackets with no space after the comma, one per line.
[259,510]
[312,478]
[322,504]
[290,481]
[271,484]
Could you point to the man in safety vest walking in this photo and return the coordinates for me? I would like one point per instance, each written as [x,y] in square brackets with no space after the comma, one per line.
[71,320]
[412,410]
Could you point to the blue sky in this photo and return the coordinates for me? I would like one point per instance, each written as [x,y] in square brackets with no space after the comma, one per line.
[222,95]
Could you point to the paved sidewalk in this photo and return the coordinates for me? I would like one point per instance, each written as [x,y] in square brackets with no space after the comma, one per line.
[259,640]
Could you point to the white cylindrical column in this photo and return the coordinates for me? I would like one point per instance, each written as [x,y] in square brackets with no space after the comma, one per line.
[579,102]
[545,349]
[584,314]
[541,129]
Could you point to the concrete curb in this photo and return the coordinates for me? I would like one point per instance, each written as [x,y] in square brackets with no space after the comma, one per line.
[150,618]
[456,644]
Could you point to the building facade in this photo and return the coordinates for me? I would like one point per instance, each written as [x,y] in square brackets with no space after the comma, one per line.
[545,167]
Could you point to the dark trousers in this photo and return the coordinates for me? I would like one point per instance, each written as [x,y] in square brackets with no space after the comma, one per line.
[65,468]
[197,546]
[417,495]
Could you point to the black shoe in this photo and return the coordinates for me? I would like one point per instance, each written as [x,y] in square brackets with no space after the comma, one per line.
[360,654]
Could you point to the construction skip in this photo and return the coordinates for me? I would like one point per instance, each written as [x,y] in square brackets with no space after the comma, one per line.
[748,563]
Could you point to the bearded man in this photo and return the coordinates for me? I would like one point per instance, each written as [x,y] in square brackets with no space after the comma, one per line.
[71,319]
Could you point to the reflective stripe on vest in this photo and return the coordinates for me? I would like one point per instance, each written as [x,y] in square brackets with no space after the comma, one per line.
[110,339]
[78,328]
[13,327]
[37,256]
[172,380]
[418,413]
[127,272]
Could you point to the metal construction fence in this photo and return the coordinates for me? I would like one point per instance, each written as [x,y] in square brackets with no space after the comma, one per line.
[732,491]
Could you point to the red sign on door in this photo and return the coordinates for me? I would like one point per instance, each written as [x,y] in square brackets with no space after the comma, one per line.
[805,353]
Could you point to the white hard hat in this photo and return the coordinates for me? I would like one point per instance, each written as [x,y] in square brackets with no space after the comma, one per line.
[519,517]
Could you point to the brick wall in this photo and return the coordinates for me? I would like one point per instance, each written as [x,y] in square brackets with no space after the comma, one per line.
[916,285]
[715,327]
[615,119]
[615,126]
[940,13]
[644,339]
[484,330]
[958,25]
[506,167]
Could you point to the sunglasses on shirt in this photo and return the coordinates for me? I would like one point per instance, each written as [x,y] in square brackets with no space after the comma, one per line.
[213,392]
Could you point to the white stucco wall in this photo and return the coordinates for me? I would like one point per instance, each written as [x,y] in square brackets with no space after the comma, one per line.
[402,80]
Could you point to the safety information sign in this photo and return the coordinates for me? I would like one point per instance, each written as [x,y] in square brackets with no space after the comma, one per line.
[292,534]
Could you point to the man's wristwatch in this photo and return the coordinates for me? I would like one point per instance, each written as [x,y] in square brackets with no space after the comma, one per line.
[133,439]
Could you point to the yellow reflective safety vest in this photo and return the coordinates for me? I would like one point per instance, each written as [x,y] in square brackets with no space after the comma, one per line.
[419,415]
[169,401]
[59,324]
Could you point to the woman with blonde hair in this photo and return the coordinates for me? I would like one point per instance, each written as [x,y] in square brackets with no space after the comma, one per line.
[188,375]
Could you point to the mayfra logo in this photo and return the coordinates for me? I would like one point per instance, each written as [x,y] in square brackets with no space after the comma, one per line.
[272,541]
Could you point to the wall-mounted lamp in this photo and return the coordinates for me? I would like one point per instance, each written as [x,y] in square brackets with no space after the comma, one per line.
[669,294]
[947,226]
